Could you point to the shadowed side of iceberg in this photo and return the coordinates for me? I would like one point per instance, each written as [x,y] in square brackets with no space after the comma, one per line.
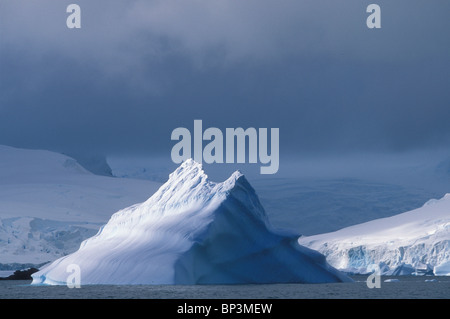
[240,247]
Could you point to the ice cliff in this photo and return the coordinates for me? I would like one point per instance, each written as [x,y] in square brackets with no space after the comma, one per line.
[414,242]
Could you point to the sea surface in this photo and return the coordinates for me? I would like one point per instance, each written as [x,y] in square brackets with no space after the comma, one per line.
[402,287]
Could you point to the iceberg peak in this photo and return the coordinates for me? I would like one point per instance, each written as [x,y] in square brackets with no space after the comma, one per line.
[190,165]
[191,172]
[189,169]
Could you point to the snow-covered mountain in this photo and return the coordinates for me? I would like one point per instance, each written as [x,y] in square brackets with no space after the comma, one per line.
[417,241]
[49,204]
[193,231]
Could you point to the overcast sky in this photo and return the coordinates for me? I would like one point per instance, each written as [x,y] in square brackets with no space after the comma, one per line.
[136,70]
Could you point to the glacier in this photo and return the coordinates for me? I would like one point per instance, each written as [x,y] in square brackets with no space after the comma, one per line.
[193,231]
[415,242]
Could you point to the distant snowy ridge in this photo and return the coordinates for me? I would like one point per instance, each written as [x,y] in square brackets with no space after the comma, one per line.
[414,242]
[193,231]
[49,204]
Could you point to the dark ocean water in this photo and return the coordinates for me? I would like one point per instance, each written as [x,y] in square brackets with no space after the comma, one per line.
[404,287]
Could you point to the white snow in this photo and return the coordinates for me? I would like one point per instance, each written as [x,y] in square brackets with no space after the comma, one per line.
[49,204]
[192,231]
[413,242]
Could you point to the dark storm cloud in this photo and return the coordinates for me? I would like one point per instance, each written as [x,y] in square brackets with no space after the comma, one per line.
[138,69]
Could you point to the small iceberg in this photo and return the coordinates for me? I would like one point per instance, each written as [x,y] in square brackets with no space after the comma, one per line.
[392,280]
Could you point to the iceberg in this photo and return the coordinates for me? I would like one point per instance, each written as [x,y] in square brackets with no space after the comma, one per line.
[193,231]
[416,242]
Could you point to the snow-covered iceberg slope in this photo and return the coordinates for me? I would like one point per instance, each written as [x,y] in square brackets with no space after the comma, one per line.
[414,242]
[193,231]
